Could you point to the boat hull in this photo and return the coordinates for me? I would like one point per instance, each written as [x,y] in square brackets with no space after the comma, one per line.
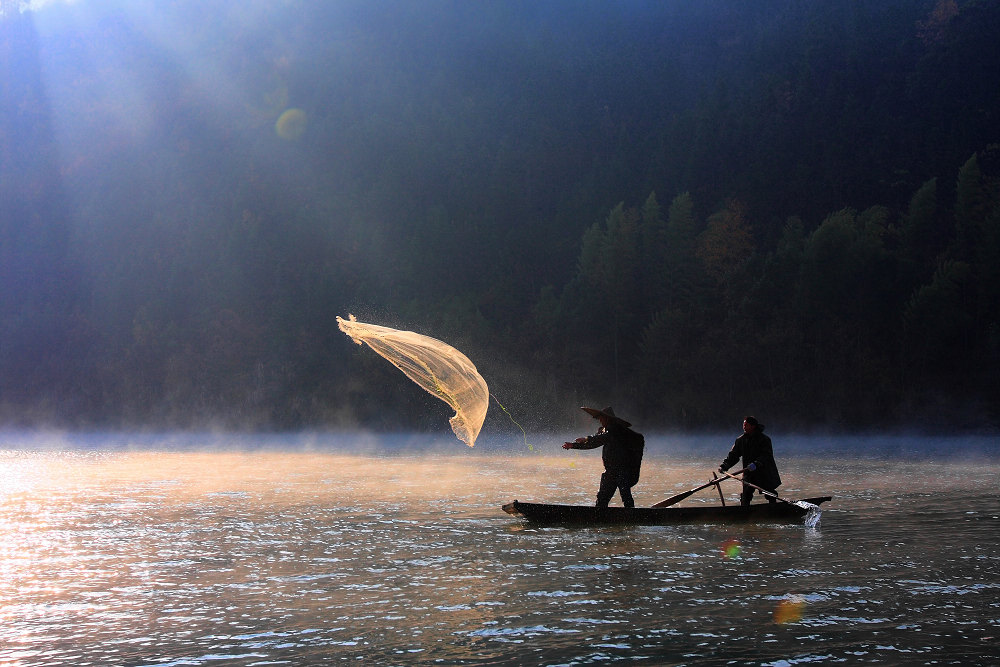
[583,514]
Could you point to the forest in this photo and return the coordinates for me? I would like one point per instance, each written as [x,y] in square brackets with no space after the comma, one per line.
[690,211]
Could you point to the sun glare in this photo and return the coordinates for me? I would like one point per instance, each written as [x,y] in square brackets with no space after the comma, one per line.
[35,5]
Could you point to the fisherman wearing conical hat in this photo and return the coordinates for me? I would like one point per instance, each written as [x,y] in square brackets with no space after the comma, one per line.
[622,455]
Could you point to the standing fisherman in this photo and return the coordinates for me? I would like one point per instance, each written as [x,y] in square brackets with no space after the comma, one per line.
[758,460]
[622,455]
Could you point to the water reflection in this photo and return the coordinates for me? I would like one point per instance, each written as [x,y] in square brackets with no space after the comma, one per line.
[253,558]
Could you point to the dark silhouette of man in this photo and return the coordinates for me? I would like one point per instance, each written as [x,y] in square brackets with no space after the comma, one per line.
[622,455]
[758,459]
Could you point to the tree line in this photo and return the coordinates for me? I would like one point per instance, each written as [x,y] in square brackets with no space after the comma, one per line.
[807,227]
[870,318]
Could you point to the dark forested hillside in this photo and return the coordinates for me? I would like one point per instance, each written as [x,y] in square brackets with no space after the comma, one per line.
[691,210]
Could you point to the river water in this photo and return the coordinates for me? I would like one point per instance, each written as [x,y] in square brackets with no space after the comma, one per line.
[199,556]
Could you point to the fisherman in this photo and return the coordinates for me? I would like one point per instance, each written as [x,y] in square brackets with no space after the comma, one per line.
[758,460]
[622,455]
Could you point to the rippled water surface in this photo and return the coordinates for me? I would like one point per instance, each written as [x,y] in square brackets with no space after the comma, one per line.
[112,557]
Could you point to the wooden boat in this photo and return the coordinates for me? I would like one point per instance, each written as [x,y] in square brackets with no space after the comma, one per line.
[584,514]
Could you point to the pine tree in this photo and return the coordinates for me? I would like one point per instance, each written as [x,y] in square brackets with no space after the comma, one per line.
[970,209]
[923,234]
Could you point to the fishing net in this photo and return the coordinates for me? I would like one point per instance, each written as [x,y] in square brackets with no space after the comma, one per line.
[437,367]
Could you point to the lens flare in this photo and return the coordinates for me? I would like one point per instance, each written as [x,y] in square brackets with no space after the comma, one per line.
[291,124]
[789,610]
[731,549]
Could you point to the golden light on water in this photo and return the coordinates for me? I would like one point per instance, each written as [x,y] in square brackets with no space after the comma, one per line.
[141,557]
[95,536]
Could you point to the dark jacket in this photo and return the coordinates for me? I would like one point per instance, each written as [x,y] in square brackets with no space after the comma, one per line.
[622,449]
[755,448]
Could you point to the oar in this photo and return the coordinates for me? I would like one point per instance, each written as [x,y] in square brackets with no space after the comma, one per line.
[673,500]
[801,504]
[718,487]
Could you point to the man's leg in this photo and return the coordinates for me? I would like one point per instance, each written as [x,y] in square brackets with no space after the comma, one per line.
[626,494]
[747,495]
[609,485]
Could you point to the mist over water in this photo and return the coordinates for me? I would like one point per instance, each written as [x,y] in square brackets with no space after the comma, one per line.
[291,556]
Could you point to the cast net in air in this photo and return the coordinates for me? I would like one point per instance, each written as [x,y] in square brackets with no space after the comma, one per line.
[437,367]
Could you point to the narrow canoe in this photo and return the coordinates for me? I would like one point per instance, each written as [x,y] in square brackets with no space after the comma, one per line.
[584,514]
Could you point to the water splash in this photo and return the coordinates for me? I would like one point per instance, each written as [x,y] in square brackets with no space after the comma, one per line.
[812,513]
